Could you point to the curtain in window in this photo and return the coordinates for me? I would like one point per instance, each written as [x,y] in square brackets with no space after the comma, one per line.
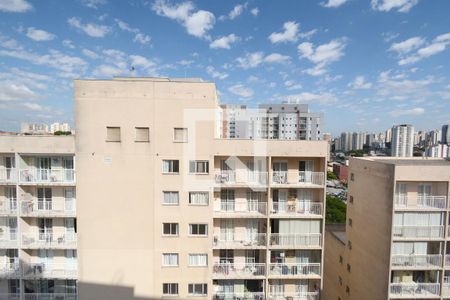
[198,259]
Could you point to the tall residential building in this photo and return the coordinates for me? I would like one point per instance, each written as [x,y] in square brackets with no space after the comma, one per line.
[445,139]
[358,140]
[402,140]
[396,241]
[168,209]
[34,128]
[65,127]
[38,239]
[439,150]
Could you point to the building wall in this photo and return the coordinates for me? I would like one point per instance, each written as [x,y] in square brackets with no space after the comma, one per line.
[335,259]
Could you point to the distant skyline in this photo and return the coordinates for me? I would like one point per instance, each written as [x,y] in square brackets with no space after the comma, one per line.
[366,64]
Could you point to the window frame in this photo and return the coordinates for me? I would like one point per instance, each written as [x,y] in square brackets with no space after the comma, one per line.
[196,168]
[142,128]
[197,254]
[198,192]
[190,232]
[170,234]
[171,166]
[170,204]
[194,294]
[186,136]
[170,266]
[169,285]
[120,134]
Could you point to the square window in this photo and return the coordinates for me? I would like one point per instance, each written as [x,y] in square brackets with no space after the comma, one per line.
[349,268]
[198,198]
[198,260]
[198,229]
[180,135]
[142,134]
[199,167]
[341,259]
[351,199]
[113,134]
[350,222]
[352,177]
[170,229]
[350,245]
[170,260]
[171,198]
[171,166]
[198,289]
[170,289]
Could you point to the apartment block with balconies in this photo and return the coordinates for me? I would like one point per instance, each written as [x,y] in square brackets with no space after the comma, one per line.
[396,232]
[38,240]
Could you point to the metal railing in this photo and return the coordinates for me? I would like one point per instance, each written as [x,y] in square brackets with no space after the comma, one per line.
[294,269]
[9,270]
[427,232]
[239,270]
[8,206]
[404,202]
[10,296]
[239,295]
[240,207]
[241,176]
[252,240]
[48,208]
[47,175]
[298,177]
[49,240]
[49,270]
[415,289]
[297,207]
[296,240]
[49,296]
[412,261]
[274,295]
[8,175]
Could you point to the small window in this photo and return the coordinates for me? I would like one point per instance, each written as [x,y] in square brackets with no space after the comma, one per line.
[350,245]
[198,198]
[170,259]
[199,167]
[198,260]
[198,229]
[171,166]
[113,134]
[170,229]
[352,177]
[341,259]
[340,280]
[170,289]
[350,222]
[142,134]
[198,289]
[171,198]
[180,135]
[351,199]
[347,290]
[349,268]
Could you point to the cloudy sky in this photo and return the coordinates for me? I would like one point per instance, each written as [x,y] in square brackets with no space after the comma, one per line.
[367,64]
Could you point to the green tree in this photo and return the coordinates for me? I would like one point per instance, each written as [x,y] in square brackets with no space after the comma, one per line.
[336,210]
[331,176]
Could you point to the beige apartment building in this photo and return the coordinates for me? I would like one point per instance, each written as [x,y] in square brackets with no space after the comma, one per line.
[38,240]
[395,243]
[168,209]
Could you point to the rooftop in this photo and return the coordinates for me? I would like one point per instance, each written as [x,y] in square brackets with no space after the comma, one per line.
[419,161]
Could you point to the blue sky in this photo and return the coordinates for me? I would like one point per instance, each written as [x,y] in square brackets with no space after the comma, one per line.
[367,64]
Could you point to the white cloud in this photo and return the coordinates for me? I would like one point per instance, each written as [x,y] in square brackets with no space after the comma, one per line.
[224,42]
[323,98]
[13,91]
[109,71]
[254,11]
[240,90]
[68,44]
[216,74]
[236,11]
[196,23]
[292,85]
[89,53]
[276,58]
[93,3]
[140,61]
[407,45]
[417,111]
[307,35]
[288,35]
[360,83]
[251,60]
[39,35]
[322,55]
[139,37]
[386,5]
[17,6]
[333,3]
[91,29]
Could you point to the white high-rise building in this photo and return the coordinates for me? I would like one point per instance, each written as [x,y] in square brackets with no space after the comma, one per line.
[65,127]
[445,134]
[402,140]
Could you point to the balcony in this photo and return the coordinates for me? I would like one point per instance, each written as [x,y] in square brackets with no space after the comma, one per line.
[9,270]
[418,232]
[49,270]
[238,270]
[235,209]
[447,261]
[9,296]
[446,287]
[48,240]
[51,176]
[431,261]
[283,240]
[49,296]
[241,178]
[8,206]
[297,208]
[239,295]
[8,175]
[46,208]
[8,239]
[415,290]
[297,270]
[300,178]
[293,296]
[420,202]
[255,241]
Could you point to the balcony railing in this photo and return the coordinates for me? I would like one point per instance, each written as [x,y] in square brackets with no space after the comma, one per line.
[298,177]
[255,240]
[10,296]
[49,296]
[250,207]
[239,295]
[8,270]
[49,270]
[47,208]
[236,270]
[417,261]
[49,240]
[8,206]
[447,260]
[295,269]
[294,296]
[296,240]
[446,287]
[8,238]
[424,202]
[297,208]
[47,175]
[415,289]
[8,175]
[241,177]
[426,232]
